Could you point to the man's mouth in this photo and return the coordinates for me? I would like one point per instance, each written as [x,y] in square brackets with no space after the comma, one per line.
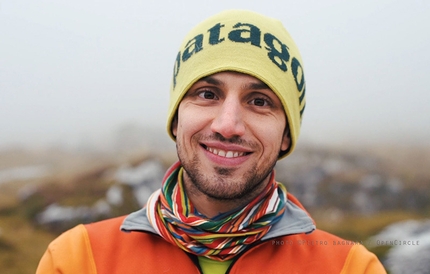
[225,153]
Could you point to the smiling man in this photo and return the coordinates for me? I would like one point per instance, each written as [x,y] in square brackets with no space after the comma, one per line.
[229,131]
[236,104]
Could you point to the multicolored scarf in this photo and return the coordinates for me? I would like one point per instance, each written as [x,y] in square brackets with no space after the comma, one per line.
[221,238]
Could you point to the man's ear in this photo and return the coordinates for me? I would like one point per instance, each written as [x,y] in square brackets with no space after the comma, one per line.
[174,126]
[286,139]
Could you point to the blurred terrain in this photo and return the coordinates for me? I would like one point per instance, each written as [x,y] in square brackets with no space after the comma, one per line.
[374,195]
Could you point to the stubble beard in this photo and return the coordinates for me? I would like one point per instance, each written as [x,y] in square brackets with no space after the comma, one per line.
[220,185]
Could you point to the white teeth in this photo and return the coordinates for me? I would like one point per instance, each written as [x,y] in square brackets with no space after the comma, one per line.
[223,153]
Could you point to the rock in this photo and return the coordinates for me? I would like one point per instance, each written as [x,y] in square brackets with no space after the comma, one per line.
[114,195]
[101,208]
[55,213]
[144,178]
[410,246]
[145,173]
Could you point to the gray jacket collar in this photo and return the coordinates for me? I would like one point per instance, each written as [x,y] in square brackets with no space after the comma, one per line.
[294,221]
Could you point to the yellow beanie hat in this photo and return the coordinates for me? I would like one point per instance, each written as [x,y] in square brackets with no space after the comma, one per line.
[246,42]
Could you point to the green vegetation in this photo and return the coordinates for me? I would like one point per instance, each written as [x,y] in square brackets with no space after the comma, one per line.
[23,241]
[356,227]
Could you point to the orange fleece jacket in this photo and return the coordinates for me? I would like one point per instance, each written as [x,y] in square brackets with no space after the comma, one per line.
[102,248]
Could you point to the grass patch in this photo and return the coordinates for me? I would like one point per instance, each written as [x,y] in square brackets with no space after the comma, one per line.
[21,245]
[360,227]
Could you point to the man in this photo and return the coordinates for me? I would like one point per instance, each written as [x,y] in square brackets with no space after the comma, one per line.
[237,99]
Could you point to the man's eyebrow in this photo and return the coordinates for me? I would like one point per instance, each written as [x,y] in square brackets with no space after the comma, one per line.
[211,80]
[257,86]
[254,85]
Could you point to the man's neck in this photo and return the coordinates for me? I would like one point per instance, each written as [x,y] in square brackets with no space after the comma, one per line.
[211,207]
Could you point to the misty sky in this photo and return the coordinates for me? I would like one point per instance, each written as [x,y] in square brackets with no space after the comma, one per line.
[72,70]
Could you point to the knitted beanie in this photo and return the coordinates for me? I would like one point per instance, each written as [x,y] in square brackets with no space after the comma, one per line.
[246,42]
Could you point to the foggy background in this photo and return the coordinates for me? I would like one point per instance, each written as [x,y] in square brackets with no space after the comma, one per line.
[74,72]
[84,90]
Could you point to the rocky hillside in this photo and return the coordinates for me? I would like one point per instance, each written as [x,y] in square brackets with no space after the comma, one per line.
[355,194]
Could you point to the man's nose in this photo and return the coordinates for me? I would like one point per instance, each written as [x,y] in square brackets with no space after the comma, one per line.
[229,119]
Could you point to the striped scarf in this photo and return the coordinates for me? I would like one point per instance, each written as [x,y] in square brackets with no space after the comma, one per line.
[221,238]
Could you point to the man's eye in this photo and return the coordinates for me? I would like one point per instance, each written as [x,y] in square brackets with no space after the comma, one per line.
[206,94]
[260,102]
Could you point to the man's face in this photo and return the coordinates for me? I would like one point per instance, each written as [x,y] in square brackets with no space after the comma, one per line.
[229,131]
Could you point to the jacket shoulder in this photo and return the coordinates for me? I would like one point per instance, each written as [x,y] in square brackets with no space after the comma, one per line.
[68,253]
[360,260]
[316,252]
